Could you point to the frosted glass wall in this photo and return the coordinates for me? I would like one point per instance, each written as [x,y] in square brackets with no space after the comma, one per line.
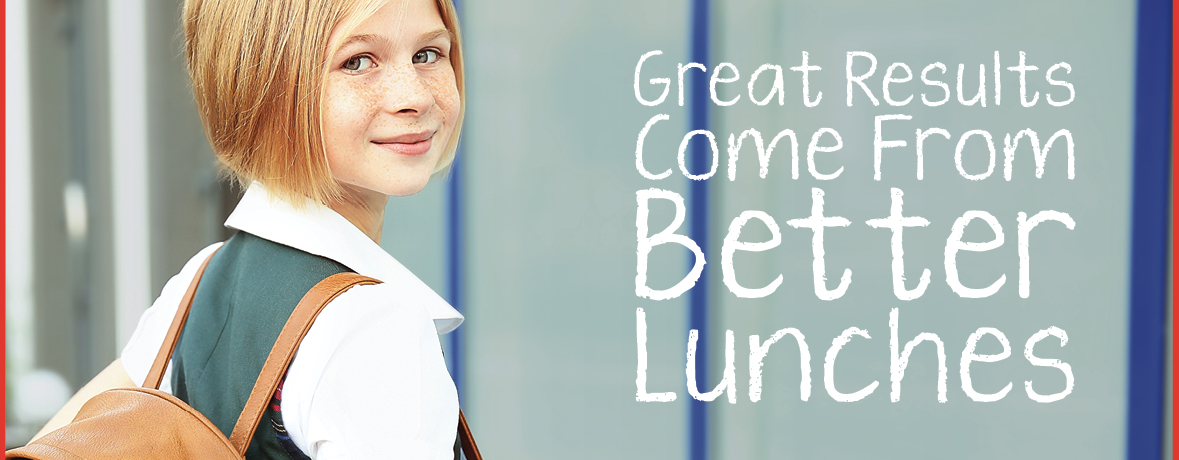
[551,190]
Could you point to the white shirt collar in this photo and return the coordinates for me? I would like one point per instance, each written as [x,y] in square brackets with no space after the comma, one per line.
[317,229]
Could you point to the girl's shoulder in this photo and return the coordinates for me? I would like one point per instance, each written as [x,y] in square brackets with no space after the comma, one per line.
[368,376]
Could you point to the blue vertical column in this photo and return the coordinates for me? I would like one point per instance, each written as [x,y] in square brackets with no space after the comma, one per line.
[1148,231]
[1148,238]
[454,263]
[699,161]
[454,253]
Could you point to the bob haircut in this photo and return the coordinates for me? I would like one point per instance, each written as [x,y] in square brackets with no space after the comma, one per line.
[258,69]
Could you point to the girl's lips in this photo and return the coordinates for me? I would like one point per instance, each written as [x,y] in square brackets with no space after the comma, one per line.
[410,145]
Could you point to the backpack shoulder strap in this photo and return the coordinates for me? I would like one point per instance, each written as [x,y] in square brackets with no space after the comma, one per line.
[284,350]
[156,373]
[467,440]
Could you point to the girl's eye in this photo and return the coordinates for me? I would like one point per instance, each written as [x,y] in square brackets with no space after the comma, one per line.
[425,56]
[358,63]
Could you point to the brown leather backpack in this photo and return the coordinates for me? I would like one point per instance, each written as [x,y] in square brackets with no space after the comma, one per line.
[142,423]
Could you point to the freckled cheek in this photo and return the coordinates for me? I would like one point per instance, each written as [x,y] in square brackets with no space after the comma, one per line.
[446,97]
[347,109]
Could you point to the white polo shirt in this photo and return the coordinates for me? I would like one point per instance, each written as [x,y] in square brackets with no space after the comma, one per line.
[369,379]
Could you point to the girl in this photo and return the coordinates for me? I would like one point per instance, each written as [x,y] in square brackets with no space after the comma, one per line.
[323,110]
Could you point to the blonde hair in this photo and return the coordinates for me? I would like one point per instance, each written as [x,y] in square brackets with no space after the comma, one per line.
[257,70]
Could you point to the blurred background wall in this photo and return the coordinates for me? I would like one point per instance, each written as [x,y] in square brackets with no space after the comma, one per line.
[110,184]
[111,187]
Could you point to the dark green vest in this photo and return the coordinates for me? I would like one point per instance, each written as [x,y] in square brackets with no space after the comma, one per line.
[245,297]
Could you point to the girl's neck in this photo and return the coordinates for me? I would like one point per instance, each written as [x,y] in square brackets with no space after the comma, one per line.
[363,208]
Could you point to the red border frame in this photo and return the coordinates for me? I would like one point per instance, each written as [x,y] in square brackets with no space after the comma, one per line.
[1174,197]
[1174,219]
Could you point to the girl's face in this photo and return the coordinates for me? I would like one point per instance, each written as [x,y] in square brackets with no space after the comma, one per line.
[390,100]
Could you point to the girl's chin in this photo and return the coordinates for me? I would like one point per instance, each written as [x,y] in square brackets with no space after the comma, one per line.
[407,187]
[412,179]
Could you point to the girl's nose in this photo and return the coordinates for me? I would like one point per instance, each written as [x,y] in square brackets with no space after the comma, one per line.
[406,93]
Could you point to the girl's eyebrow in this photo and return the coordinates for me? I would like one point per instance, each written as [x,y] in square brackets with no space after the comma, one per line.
[366,38]
[436,34]
[383,40]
